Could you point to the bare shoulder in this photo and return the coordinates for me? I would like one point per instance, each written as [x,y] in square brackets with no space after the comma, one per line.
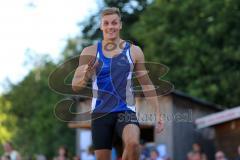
[90,50]
[87,54]
[136,53]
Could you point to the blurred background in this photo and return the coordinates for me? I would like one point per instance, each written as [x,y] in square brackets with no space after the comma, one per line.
[199,41]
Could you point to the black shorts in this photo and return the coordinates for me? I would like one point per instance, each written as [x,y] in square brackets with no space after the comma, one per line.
[104,126]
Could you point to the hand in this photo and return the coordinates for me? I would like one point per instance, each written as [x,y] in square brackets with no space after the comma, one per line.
[90,68]
[159,127]
[84,72]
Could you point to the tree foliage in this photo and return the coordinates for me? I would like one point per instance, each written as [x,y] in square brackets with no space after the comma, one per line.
[38,130]
[7,122]
[199,42]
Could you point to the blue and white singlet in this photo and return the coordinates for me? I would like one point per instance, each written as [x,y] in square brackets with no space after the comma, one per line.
[112,82]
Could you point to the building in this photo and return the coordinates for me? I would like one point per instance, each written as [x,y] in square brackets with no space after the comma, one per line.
[179,112]
[224,127]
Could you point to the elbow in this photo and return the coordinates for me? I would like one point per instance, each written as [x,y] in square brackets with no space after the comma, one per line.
[75,88]
[149,91]
[147,88]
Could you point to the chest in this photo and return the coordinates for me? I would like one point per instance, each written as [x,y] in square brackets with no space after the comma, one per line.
[114,67]
[116,52]
[111,53]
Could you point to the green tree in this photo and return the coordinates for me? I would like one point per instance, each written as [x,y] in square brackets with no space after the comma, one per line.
[39,131]
[7,122]
[199,42]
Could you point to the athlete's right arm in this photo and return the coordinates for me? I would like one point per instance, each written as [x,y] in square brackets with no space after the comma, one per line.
[85,69]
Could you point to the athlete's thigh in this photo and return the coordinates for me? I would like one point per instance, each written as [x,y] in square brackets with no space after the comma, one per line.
[131,133]
[127,126]
[102,132]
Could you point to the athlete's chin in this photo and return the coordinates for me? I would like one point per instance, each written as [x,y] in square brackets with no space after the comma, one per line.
[111,38]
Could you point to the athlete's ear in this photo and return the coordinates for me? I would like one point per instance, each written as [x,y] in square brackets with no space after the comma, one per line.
[100,26]
[120,24]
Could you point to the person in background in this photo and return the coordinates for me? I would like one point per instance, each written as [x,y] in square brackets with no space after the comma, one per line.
[238,151]
[154,155]
[76,158]
[144,152]
[10,151]
[198,152]
[190,156]
[40,157]
[62,153]
[219,155]
[5,158]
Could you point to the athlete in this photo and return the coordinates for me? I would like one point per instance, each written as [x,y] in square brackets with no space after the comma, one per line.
[110,64]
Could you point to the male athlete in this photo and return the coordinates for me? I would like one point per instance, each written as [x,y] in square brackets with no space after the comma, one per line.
[111,72]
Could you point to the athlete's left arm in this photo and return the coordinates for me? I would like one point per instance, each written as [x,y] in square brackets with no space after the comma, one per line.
[146,84]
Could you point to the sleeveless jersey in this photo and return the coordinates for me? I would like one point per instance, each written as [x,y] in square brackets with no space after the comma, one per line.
[112,82]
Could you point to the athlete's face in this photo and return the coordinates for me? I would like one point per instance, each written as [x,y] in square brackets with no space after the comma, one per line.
[111,26]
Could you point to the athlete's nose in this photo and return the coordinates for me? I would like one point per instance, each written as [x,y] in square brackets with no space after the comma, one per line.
[110,26]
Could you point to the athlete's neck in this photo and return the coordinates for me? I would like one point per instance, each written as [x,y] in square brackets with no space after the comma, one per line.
[116,41]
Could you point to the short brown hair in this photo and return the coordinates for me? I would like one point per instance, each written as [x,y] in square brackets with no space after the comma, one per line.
[111,10]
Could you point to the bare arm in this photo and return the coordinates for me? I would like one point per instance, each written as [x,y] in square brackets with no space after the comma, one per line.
[85,68]
[147,85]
